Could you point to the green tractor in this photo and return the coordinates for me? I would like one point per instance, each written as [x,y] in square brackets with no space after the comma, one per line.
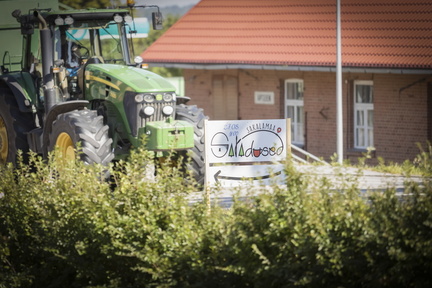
[77,83]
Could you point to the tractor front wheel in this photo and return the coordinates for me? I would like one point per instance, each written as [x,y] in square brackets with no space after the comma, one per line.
[195,160]
[14,125]
[84,127]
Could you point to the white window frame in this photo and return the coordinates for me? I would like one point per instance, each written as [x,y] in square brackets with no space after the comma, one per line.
[363,132]
[297,127]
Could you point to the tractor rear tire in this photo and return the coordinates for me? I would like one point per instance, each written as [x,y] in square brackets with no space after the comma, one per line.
[84,127]
[14,125]
[195,161]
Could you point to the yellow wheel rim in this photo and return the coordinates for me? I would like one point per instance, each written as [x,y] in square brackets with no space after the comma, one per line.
[65,145]
[4,146]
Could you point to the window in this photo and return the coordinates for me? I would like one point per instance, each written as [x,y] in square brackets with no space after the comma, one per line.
[363,114]
[294,109]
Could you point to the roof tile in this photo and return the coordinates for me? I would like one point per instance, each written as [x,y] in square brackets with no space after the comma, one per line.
[375,33]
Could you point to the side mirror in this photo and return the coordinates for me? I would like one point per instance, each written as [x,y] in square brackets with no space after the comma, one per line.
[157,20]
[16,14]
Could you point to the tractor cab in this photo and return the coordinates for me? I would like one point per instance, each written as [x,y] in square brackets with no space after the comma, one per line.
[87,37]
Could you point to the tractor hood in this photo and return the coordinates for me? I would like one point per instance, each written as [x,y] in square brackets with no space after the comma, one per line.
[126,78]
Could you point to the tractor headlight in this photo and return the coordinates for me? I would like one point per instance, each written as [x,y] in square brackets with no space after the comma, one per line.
[148,111]
[139,98]
[128,19]
[167,110]
[118,18]
[167,97]
[59,21]
[69,20]
[148,98]
[138,60]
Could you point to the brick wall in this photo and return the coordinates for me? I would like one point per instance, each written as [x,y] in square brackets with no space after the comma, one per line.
[400,107]
[198,87]
[400,115]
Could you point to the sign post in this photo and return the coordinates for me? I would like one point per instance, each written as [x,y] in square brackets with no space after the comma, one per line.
[288,138]
[246,150]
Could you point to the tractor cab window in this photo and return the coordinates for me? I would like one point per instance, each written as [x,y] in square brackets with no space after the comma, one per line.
[75,46]
[73,54]
[110,40]
[112,48]
[70,51]
[79,45]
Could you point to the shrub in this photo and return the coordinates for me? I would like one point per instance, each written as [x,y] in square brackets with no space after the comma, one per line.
[62,225]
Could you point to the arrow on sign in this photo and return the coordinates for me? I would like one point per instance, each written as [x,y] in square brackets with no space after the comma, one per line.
[217,176]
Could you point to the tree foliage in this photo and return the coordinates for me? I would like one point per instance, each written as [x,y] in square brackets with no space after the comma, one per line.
[142,44]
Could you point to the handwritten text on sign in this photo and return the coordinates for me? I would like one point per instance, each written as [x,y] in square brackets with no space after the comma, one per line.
[244,141]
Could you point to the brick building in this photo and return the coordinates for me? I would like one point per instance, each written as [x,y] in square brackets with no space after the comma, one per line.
[253,59]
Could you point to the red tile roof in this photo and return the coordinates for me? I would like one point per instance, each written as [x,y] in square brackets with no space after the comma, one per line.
[375,33]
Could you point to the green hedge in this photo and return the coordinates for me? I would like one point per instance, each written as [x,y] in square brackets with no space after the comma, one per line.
[62,226]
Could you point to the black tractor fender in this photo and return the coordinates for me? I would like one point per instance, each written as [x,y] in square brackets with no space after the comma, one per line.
[20,86]
[56,110]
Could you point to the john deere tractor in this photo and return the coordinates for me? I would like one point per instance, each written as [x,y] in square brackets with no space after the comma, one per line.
[76,82]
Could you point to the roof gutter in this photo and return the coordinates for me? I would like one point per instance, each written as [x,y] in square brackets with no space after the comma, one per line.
[291,68]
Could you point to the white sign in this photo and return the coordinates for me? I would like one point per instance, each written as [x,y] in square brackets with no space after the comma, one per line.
[245,150]
[262,97]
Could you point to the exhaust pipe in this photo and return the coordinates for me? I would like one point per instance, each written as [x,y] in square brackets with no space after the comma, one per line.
[41,20]
[47,63]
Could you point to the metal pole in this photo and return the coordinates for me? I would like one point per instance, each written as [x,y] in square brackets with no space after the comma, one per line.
[339,112]
[288,138]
